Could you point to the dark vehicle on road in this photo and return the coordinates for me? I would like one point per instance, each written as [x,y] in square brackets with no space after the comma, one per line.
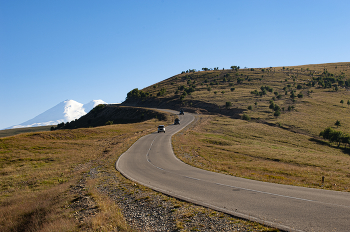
[161,128]
[182,112]
[177,121]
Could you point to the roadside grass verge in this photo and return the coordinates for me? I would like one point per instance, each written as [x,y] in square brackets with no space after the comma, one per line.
[38,170]
[110,216]
[263,152]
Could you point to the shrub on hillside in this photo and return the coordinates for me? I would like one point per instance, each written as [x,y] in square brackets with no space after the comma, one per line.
[246,117]
[292,95]
[161,92]
[277,113]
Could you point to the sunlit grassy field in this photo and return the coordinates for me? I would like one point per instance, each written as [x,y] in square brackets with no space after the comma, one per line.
[37,171]
[262,152]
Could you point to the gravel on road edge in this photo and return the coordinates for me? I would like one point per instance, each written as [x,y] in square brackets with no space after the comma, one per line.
[148,210]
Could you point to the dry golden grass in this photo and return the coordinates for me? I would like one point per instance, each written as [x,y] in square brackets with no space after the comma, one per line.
[321,108]
[37,170]
[37,211]
[110,217]
[262,152]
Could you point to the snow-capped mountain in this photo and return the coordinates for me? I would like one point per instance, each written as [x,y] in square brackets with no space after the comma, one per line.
[65,111]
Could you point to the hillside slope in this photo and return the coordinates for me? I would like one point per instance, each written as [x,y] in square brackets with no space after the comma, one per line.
[108,114]
[306,97]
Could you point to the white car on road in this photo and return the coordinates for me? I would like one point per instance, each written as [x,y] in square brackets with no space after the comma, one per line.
[161,128]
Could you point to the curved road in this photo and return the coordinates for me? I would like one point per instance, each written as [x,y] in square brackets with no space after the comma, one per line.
[152,163]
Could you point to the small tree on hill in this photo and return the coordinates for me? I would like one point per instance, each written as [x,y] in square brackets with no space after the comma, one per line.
[228,105]
[239,80]
[276,108]
[277,113]
[235,68]
[326,133]
[342,102]
[337,123]
[292,95]
[336,137]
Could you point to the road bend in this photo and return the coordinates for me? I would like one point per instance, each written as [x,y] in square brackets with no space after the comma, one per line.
[152,163]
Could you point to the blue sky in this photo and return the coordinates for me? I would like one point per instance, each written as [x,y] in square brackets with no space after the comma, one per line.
[83,50]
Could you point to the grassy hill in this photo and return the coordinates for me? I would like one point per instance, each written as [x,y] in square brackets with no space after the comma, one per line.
[285,109]
[317,106]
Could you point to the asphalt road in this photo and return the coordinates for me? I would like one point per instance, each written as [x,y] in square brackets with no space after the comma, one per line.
[152,163]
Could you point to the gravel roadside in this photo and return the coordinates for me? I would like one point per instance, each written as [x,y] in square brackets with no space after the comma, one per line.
[147,210]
